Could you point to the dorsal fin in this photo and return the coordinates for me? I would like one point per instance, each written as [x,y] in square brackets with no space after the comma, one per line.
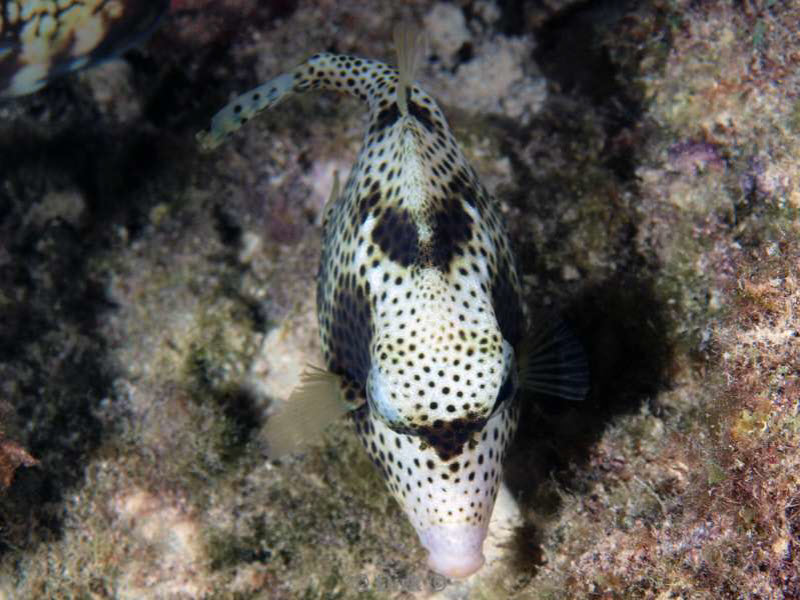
[409,44]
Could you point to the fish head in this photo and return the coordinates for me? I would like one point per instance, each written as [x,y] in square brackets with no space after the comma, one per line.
[446,478]
[439,356]
[440,417]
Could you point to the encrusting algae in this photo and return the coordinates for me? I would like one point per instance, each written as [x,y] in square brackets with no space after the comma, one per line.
[419,308]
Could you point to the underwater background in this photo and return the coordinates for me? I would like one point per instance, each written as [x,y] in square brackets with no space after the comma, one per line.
[156,303]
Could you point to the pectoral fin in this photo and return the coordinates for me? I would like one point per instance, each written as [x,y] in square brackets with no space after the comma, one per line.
[552,361]
[313,405]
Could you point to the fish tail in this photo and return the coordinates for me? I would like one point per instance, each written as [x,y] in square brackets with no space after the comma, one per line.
[366,79]
[360,77]
[243,108]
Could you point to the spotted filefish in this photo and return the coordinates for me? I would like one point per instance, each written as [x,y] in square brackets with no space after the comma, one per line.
[44,39]
[419,308]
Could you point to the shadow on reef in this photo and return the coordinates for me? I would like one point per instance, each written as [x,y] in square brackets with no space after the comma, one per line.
[617,313]
[624,328]
[51,353]
[54,361]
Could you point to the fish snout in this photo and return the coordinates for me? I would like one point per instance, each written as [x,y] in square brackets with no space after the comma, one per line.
[454,549]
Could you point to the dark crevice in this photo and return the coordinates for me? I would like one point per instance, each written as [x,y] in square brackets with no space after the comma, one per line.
[573,53]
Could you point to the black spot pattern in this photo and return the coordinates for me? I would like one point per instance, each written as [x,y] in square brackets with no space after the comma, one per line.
[367,203]
[449,437]
[351,332]
[422,114]
[506,393]
[396,234]
[435,488]
[452,227]
[386,118]
[461,187]
[507,304]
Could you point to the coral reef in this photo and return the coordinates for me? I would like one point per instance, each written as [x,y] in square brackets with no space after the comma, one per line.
[157,302]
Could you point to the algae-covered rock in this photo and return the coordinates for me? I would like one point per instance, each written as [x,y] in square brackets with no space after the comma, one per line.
[157,306]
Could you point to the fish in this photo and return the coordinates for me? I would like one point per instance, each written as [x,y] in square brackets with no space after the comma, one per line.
[41,40]
[419,307]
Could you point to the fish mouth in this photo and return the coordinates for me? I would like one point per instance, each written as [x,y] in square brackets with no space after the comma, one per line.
[454,550]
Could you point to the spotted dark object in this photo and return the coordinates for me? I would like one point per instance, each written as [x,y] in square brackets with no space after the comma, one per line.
[41,40]
[505,296]
[348,351]
[448,440]
[418,302]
